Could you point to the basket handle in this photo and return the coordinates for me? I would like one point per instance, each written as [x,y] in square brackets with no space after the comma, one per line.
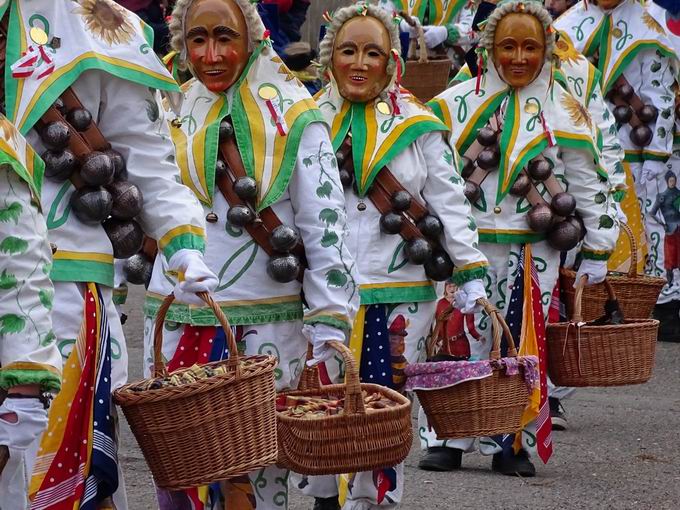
[159,368]
[498,327]
[632,271]
[420,35]
[577,315]
[354,402]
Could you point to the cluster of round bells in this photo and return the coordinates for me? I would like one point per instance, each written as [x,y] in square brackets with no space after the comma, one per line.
[424,250]
[641,135]
[107,197]
[283,266]
[557,219]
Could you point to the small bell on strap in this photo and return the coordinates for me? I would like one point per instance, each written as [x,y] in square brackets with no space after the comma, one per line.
[126,237]
[137,270]
[97,169]
[211,217]
[91,205]
[284,238]
[418,250]
[79,118]
[283,268]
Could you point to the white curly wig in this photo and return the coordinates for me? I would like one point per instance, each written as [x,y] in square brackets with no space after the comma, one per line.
[342,16]
[256,28]
[532,7]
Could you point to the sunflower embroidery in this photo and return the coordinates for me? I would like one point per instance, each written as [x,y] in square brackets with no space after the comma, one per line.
[8,130]
[566,52]
[652,24]
[107,21]
[578,113]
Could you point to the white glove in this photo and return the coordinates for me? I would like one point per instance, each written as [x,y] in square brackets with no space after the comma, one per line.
[620,215]
[319,335]
[652,170]
[467,295]
[435,35]
[596,270]
[197,276]
[22,420]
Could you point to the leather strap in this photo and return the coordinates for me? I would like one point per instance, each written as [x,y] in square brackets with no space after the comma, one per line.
[634,102]
[267,219]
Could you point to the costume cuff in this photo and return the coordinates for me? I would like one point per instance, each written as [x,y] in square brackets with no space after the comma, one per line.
[453,35]
[589,254]
[469,272]
[16,374]
[187,237]
[337,321]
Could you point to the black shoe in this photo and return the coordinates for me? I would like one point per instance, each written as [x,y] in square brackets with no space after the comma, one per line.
[513,465]
[441,459]
[331,503]
[557,416]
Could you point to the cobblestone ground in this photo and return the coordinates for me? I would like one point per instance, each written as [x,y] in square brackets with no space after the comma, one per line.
[622,451]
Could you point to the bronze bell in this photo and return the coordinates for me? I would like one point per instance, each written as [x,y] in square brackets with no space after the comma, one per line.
[91,205]
[138,270]
[430,227]
[211,217]
[283,268]
[127,200]
[400,200]
[59,166]
[521,186]
[487,136]
[97,169]
[284,238]
[126,237]
[418,250]
[119,164]
[79,118]
[391,223]
[648,113]
[56,135]
[623,114]
[564,236]
[221,168]
[226,130]
[578,223]
[245,188]
[467,167]
[439,266]
[539,169]
[472,191]
[240,215]
[641,135]
[563,204]
[540,218]
[625,92]
[488,159]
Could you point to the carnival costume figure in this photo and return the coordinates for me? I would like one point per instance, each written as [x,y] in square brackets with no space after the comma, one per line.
[638,76]
[30,364]
[255,150]
[80,83]
[409,222]
[531,164]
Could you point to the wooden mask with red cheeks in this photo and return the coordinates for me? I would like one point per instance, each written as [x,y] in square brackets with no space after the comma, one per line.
[217,42]
[519,49]
[360,56]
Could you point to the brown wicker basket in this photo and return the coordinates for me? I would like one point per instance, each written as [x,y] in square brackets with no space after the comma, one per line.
[637,294]
[213,429]
[424,77]
[482,407]
[350,442]
[611,355]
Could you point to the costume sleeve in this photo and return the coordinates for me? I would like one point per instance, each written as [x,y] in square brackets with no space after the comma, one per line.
[460,32]
[658,78]
[612,153]
[134,123]
[443,193]
[316,194]
[28,351]
[593,203]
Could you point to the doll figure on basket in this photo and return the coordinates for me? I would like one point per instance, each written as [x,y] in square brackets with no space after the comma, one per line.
[453,339]
[255,151]
[531,165]
[408,219]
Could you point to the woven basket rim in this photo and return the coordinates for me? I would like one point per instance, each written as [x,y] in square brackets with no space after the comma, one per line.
[125,396]
[619,277]
[629,324]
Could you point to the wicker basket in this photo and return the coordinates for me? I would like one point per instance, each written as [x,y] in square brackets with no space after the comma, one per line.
[349,442]
[482,407]
[213,429]
[637,294]
[612,355]
[424,77]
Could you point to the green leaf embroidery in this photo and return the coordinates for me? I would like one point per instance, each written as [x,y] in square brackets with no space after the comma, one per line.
[12,245]
[307,162]
[329,238]
[46,297]
[394,266]
[336,278]
[448,157]
[11,213]
[328,216]
[472,225]
[11,323]
[241,255]
[661,131]
[618,168]
[48,339]
[606,222]
[600,198]
[7,280]
[666,113]
[656,83]
[656,66]
[324,191]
